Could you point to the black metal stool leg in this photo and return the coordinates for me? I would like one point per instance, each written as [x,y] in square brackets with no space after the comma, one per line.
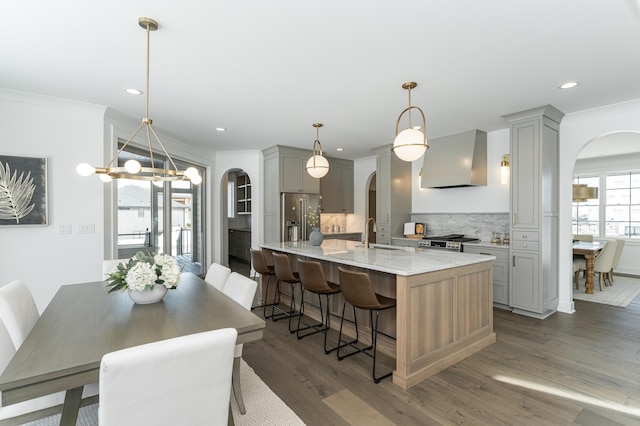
[374,339]
[351,343]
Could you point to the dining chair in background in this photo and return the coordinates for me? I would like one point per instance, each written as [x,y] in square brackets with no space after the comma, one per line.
[602,264]
[616,258]
[217,275]
[18,310]
[180,381]
[242,290]
[583,237]
[314,281]
[358,292]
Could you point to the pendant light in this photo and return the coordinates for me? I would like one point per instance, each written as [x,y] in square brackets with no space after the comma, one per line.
[317,165]
[133,169]
[410,144]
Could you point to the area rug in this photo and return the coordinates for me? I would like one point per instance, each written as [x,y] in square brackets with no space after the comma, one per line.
[621,293]
[263,406]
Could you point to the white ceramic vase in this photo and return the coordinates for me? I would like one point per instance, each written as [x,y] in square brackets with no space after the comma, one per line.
[146,297]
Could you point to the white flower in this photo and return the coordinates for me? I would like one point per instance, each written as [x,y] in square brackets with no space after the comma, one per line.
[140,276]
[169,268]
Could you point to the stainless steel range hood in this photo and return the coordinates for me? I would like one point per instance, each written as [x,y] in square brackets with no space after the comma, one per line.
[456,160]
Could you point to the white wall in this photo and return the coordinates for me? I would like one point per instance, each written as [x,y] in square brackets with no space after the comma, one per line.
[251,162]
[493,198]
[576,131]
[66,133]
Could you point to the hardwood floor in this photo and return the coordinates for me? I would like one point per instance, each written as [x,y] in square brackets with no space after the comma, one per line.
[579,369]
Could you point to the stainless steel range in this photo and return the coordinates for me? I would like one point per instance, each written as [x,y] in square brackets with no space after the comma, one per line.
[451,242]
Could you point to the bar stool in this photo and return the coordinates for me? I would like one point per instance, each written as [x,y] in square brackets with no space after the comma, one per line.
[284,273]
[357,290]
[261,267]
[313,280]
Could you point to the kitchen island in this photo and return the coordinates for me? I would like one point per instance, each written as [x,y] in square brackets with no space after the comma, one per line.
[444,301]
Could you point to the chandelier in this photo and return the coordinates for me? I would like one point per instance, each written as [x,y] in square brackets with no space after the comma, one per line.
[133,169]
[317,165]
[411,143]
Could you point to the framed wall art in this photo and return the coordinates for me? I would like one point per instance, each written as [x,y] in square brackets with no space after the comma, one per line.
[23,191]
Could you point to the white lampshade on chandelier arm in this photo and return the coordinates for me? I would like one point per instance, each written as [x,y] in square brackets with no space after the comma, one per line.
[132,168]
[410,144]
[317,165]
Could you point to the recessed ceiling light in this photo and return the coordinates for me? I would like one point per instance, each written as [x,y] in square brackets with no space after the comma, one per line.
[220,129]
[569,85]
[339,149]
[132,91]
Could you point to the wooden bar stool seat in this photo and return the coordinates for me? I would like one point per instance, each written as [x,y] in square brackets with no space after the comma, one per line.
[358,292]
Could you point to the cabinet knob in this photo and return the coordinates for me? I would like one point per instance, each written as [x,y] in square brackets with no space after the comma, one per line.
[524,246]
[524,235]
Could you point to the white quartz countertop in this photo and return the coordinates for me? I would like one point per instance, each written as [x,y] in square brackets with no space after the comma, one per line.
[396,261]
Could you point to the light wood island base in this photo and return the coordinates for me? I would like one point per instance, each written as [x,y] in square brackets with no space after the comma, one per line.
[442,316]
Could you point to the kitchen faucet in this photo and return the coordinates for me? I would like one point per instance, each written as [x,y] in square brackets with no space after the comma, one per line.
[366,231]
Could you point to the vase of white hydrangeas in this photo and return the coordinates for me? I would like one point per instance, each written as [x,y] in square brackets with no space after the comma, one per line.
[146,278]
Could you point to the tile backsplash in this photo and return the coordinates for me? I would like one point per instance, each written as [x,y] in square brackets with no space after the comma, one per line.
[477,225]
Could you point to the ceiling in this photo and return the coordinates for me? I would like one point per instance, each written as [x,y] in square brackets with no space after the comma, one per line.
[267,70]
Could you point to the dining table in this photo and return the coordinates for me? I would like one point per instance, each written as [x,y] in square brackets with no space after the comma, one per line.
[589,250]
[82,323]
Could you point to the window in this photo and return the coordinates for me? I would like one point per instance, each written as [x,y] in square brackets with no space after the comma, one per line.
[616,211]
[231,199]
[622,209]
[143,224]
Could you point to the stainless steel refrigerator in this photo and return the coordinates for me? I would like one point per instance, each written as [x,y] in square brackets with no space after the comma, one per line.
[294,206]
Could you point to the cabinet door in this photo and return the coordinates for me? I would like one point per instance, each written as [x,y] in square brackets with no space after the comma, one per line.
[525,172]
[346,189]
[383,187]
[525,288]
[290,173]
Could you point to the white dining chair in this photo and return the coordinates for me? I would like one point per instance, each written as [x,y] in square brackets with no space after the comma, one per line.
[110,265]
[242,290]
[180,381]
[18,310]
[616,258]
[217,275]
[602,263]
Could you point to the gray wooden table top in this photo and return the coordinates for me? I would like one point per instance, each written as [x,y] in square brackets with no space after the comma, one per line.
[82,323]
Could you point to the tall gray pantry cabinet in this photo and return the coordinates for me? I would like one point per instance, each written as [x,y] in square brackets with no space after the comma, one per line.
[534,211]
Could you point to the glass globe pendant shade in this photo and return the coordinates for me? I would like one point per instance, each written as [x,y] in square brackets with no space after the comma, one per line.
[85,169]
[196,180]
[132,166]
[409,145]
[317,166]
[105,178]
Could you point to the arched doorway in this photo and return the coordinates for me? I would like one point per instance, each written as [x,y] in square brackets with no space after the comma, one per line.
[236,209]
[371,206]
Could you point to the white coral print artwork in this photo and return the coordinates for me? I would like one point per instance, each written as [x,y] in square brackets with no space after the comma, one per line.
[22,191]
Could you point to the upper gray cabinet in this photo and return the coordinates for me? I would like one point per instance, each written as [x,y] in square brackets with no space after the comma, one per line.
[336,187]
[293,173]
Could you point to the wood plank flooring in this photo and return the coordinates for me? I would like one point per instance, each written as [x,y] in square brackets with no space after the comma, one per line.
[581,369]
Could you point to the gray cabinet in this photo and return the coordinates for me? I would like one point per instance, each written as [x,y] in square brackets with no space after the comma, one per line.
[393,195]
[500,270]
[243,194]
[293,173]
[534,211]
[240,244]
[336,187]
